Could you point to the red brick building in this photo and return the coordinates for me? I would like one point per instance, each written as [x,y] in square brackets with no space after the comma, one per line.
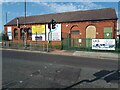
[100,23]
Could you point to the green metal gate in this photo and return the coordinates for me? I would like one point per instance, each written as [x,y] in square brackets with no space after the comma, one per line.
[76,44]
[84,44]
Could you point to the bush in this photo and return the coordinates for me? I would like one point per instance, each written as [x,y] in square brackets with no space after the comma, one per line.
[57,47]
[5,37]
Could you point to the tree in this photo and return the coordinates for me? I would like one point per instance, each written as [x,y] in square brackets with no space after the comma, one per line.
[5,37]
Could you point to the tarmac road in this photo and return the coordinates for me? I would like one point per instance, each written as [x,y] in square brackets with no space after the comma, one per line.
[38,70]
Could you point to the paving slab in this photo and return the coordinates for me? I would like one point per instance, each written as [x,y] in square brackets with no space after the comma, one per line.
[101,55]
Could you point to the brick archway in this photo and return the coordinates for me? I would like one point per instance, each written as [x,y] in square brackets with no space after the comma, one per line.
[29,33]
[22,33]
[74,35]
[16,34]
[90,33]
[74,31]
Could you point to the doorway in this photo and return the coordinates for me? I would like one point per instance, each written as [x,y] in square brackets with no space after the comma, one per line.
[90,34]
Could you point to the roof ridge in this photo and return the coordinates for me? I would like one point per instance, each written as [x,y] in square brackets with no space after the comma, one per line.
[81,15]
[68,12]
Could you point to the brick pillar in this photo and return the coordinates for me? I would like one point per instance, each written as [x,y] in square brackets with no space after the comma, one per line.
[19,34]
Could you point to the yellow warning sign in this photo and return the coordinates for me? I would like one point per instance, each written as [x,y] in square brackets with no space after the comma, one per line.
[39,29]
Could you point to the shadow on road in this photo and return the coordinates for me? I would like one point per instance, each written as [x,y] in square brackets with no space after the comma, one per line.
[106,75]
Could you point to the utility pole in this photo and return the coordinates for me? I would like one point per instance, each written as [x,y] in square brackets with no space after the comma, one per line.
[6,31]
[25,11]
[25,40]
[6,17]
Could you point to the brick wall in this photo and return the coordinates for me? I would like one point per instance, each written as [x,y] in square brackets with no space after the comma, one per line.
[67,27]
[71,26]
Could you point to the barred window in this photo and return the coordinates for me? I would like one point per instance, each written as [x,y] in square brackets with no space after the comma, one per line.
[16,34]
[75,32]
[108,32]
[29,33]
[22,34]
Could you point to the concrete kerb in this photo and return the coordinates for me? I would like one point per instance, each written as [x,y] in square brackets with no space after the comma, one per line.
[31,51]
[98,55]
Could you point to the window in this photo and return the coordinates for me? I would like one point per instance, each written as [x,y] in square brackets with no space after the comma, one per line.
[22,34]
[16,34]
[107,32]
[75,32]
[29,33]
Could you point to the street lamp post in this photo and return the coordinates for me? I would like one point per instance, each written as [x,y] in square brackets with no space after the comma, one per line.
[49,26]
[6,32]
[36,37]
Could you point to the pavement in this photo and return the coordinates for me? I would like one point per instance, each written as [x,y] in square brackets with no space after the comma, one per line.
[98,55]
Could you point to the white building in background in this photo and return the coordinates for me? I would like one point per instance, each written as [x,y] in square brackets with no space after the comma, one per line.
[118,29]
[0,36]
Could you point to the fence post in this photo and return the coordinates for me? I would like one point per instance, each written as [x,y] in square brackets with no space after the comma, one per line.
[43,47]
[117,40]
[30,45]
[8,44]
[5,44]
[48,47]
[17,45]
[67,43]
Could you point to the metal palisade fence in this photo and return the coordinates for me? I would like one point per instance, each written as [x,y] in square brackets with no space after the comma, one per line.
[39,46]
[78,44]
[85,44]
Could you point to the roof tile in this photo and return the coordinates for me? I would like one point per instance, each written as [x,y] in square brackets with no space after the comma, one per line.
[87,15]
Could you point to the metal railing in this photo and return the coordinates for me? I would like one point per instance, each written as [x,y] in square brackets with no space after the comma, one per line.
[30,46]
[67,44]
[85,44]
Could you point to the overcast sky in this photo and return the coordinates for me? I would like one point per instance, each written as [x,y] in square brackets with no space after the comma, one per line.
[16,9]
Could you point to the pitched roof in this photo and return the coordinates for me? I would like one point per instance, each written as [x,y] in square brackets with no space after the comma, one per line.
[87,15]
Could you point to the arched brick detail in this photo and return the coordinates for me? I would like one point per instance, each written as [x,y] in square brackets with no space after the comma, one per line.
[91,31]
[16,34]
[75,31]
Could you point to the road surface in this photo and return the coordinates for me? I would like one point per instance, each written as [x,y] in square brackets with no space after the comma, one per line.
[38,70]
